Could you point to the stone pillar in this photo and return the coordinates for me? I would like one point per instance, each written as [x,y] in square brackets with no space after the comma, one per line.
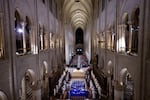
[109,86]
[37,94]
[130,36]
[24,37]
[118,91]
[123,35]
[23,91]
[1,36]
[41,38]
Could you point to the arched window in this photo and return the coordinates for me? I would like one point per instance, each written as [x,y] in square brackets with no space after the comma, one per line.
[51,41]
[126,31]
[123,39]
[1,37]
[79,36]
[126,81]
[23,35]
[19,33]
[109,39]
[135,31]
[113,38]
[43,38]
[102,40]
[127,35]
[129,87]
[28,34]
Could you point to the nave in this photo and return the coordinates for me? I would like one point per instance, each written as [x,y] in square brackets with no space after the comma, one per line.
[74,49]
[78,82]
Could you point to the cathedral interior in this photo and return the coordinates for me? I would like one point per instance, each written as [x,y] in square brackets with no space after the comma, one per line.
[74,50]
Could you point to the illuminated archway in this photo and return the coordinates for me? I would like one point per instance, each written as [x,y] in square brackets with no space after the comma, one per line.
[126,81]
[28,84]
[109,72]
[44,76]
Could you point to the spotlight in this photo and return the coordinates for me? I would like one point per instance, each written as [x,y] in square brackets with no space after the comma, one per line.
[19,30]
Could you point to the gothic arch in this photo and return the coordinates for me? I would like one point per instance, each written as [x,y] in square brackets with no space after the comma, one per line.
[18,14]
[126,81]
[125,21]
[45,81]
[28,33]
[135,29]
[31,77]
[123,73]
[28,83]
[125,18]
[45,69]
[18,32]
[109,67]
[135,15]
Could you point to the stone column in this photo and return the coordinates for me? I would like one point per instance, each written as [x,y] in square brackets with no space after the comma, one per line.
[1,36]
[109,85]
[41,38]
[118,91]
[37,94]
[23,91]
[123,35]
[130,36]
[24,37]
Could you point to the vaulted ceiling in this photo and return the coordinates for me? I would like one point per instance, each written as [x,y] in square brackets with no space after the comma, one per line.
[77,12]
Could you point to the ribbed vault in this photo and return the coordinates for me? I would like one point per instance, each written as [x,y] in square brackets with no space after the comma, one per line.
[77,12]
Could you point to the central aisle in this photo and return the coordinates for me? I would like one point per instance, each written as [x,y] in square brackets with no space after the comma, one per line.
[78,81]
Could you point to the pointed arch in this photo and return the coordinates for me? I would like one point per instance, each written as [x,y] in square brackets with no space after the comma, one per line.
[125,21]
[45,69]
[31,77]
[79,35]
[110,67]
[123,73]
[28,34]
[18,32]
[135,29]
[126,81]
[28,83]
[45,80]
